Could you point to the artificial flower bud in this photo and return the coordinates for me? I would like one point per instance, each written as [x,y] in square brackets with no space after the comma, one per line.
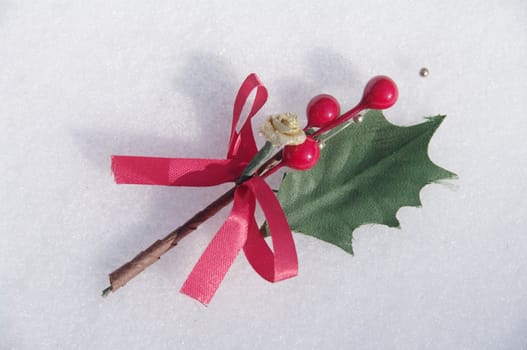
[283,129]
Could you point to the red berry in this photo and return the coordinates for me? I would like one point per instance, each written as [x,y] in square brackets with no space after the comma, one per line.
[380,93]
[303,156]
[321,110]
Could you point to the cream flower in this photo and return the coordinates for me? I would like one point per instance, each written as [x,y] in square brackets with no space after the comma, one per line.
[283,129]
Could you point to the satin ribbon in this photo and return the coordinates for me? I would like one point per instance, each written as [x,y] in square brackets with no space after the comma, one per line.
[240,230]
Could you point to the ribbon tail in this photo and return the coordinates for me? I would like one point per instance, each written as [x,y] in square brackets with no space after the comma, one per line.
[214,263]
[283,263]
[175,171]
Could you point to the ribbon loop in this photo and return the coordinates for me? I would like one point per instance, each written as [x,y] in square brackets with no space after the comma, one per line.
[242,144]
[283,263]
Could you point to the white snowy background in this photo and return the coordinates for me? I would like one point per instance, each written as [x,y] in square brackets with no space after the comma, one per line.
[81,80]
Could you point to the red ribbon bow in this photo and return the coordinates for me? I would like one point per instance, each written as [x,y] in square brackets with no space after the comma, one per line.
[240,229]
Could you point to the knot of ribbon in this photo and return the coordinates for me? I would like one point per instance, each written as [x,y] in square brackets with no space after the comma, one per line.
[240,229]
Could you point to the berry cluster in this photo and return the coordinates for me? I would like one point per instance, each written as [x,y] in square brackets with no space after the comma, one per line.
[323,112]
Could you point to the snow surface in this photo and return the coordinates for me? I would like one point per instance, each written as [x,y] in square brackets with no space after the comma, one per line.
[81,80]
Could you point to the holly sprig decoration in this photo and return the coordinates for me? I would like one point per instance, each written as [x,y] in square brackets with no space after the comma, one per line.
[352,168]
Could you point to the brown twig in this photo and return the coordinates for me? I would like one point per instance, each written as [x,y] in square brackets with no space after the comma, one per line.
[125,273]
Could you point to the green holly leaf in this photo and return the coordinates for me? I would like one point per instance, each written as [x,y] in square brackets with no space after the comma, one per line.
[365,174]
